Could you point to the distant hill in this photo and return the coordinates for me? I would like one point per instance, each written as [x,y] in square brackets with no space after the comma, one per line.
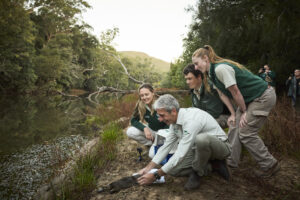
[159,65]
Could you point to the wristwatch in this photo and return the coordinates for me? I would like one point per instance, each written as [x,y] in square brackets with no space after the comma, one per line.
[156,175]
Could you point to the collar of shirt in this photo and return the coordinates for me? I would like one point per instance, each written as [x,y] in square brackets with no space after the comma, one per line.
[147,107]
[180,116]
[197,92]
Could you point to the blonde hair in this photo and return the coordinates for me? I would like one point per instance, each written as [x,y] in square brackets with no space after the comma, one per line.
[140,107]
[213,57]
[205,82]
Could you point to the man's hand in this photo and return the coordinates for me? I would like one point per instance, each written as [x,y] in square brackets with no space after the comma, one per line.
[146,169]
[143,171]
[146,179]
[243,120]
[148,134]
[231,120]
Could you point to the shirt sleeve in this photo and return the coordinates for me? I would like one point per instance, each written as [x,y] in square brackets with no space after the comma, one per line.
[164,150]
[190,131]
[135,121]
[226,75]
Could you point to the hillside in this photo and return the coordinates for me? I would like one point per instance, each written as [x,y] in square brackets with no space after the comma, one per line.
[159,65]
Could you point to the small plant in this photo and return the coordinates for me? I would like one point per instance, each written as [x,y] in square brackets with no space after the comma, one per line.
[84,172]
[111,134]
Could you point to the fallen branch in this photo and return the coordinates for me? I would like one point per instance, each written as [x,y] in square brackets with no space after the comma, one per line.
[115,90]
[104,89]
[107,89]
[67,95]
[172,92]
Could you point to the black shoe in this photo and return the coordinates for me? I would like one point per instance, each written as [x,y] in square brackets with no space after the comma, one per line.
[193,181]
[221,168]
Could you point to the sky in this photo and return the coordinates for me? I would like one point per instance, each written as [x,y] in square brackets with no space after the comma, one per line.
[155,27]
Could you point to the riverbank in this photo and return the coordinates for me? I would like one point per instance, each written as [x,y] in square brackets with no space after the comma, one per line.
[78,177]
[22,173]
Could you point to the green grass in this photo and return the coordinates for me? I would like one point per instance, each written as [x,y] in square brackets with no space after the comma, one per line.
[83,180]
[84,172]
[111,133]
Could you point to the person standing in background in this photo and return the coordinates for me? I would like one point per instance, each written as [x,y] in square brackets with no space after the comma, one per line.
[267,75]
[293,84]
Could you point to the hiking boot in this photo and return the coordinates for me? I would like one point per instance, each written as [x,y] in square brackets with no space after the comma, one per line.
[193,181]
[220,166]
[268,173]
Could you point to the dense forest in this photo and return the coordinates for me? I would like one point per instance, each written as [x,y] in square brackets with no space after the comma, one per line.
[45,46]
[252,32]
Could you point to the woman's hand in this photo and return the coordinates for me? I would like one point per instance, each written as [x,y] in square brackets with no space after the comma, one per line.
[243,120]
[231,120]
[148,134]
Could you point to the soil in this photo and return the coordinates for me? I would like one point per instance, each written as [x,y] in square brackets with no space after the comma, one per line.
[284,185]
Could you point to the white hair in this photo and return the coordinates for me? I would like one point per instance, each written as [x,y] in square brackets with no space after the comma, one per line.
[167,102]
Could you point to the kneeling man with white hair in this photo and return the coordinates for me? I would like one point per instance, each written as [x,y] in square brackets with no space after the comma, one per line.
[202,145]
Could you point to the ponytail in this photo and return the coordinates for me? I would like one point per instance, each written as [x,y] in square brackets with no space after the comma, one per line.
[213,57]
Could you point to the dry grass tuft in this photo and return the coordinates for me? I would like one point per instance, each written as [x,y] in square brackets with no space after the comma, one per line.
[281,133]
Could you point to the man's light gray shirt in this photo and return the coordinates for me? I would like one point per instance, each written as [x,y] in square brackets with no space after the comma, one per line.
[190,122]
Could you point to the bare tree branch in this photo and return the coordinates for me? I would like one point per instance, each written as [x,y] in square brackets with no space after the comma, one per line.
[124,67]
[91,69]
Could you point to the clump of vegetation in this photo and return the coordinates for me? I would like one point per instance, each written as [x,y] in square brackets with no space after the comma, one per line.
[282,131]
[112,110]
[83,180]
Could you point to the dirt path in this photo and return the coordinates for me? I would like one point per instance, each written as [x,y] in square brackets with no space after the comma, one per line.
[285,185]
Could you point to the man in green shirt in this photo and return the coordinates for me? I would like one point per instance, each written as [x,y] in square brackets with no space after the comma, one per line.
[205,97]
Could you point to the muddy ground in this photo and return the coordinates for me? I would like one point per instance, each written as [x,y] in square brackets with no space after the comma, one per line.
[284,185]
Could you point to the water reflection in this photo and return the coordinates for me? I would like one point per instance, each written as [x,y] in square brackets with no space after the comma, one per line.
[38,134]
[28,120]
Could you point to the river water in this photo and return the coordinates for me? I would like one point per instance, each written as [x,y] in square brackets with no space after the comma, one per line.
[37,134]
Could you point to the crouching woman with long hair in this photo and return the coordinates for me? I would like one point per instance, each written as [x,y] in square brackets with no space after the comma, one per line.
[144,122]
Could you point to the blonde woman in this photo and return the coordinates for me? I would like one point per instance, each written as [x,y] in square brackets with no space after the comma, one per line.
[254,99]
[144,122]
